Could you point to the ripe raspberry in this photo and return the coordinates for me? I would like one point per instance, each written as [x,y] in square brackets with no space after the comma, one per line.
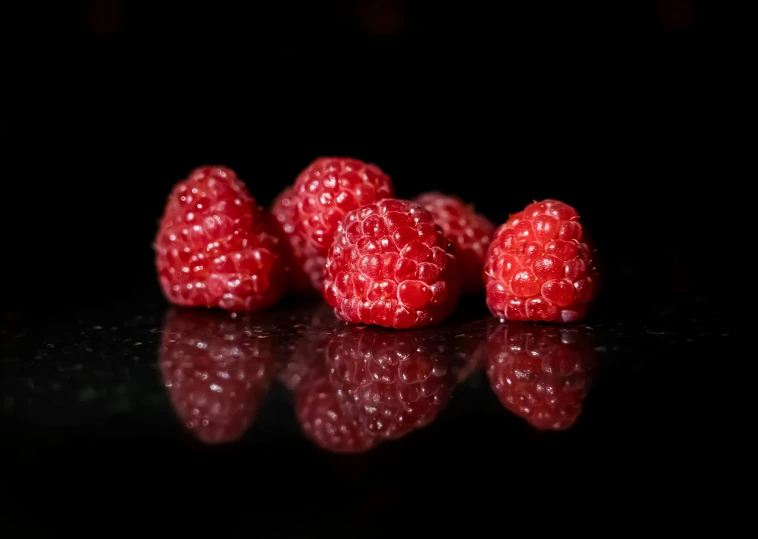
[390,265]
[323,193]
[215,247]
[469,231]
[217,371]
[540,266]
[305,268]
[390,383]
[541,373]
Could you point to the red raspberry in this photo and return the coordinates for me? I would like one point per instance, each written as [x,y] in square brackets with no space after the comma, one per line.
[390,265]
[540,266]
[390,383]
[217,371]
[304,267]
[323,193]
[541,373]
[469,231]
[215,247]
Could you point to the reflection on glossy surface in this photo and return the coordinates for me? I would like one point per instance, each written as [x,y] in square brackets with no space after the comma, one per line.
[314,325]
[541,373]
[361,386]
[217,369]
[391,382]
[323,418]
[86,421]
[316,404]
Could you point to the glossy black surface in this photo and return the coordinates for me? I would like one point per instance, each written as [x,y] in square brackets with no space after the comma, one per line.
[98,421]
[636,124]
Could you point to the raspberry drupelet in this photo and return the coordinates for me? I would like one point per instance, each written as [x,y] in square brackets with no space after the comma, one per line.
[390,265]
[540,266]
[215,247]
[310,212]
[469,231]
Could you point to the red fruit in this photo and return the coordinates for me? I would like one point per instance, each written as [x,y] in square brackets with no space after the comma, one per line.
[215,247]
[323,193]
[390,265]
[540,266]
[469,231]
[303,266]
[217,371]
[541,373]
[390,383]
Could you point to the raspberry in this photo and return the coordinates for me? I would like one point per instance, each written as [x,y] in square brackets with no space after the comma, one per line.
[541,373]
[469,231]
[391,266]
[304,267]
[390,383]
[215,247]
[540,266]
[217,371]
[323,193]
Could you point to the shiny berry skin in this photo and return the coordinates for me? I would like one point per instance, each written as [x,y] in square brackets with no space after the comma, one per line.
[330,188]
[215,247]
[323,193]
[390,265]
[216,370]
[540,266]
[305,268]
[390,383]
[468,230]
[541,373]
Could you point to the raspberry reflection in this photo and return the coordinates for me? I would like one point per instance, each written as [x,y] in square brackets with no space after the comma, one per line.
[372,385]
[323,418]
[391,382]
[541,373]
[217,370]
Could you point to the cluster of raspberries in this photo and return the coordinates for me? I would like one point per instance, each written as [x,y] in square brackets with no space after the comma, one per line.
[339,232]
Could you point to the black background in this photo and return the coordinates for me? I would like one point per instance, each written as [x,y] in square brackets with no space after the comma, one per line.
[629,112]
[632,111]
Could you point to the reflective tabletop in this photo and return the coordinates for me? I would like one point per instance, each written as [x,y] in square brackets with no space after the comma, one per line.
[290,422]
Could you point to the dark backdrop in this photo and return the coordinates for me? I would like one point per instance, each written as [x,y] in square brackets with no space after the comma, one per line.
[630,112]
